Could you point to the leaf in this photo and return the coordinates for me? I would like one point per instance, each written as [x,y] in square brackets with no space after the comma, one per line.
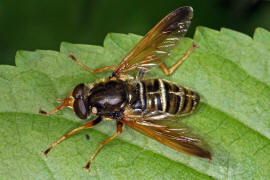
[229,70]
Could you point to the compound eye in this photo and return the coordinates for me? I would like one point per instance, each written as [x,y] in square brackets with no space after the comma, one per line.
[80,108]
[78,91]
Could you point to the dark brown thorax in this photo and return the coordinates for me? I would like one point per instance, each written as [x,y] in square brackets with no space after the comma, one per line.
[109,98]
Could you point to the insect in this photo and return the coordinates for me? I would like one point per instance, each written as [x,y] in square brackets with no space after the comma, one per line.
[87,137]
[140,103]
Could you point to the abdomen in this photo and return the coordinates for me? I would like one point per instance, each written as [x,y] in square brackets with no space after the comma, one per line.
[157,95]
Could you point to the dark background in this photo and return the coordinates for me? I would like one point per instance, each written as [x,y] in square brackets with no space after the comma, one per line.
[34,24]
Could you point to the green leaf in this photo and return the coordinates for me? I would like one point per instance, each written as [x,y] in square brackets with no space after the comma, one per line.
[229,70]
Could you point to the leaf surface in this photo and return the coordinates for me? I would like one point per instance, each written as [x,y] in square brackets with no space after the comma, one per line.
[229,70]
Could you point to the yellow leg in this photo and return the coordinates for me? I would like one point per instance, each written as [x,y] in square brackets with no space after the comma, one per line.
[178,63]
[85,126]
[98,70]
[67,102]
[119,130]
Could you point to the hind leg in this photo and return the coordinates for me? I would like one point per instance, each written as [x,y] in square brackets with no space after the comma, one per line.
[170,70]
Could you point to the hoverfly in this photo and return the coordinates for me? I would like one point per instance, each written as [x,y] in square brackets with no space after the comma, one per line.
[142,104]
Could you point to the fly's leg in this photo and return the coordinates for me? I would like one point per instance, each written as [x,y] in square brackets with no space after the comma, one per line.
[98,70]
[67,102]
[118,132]
[170,70]
[85,126]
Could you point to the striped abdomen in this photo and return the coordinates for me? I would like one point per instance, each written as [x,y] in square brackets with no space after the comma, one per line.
[164,96]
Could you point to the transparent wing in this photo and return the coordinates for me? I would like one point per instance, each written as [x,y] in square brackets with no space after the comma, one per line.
[158,42]
[170,134]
